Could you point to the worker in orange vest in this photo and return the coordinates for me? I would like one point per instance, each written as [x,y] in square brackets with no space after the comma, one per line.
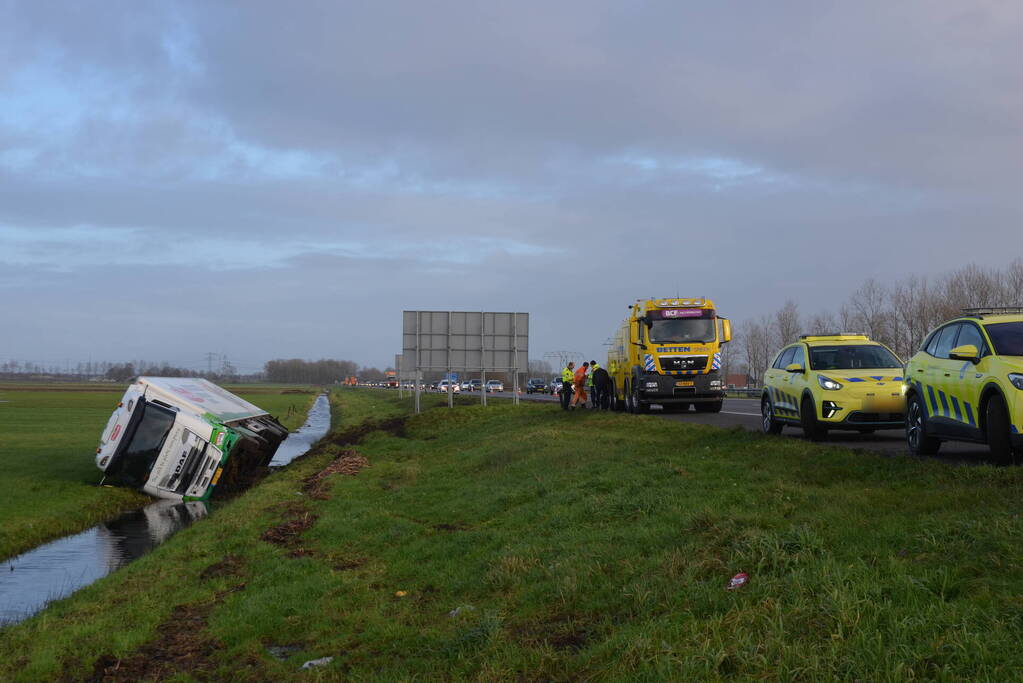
[580,385]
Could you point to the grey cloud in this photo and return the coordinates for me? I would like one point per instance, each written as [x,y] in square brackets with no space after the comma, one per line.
[561,159]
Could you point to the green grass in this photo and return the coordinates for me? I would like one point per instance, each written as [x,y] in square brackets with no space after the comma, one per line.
[534,544]
[48,438]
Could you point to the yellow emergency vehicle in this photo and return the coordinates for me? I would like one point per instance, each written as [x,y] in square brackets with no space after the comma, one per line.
[833,381]
[668,352]
[966,384]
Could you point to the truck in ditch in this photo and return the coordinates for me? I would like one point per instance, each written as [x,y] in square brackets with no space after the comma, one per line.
[186,439]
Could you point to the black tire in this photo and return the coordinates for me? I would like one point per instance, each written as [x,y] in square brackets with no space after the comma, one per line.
[638,405]
[628,399]
[916,429]
[998,438]
[812,428]
[769,424]
[714,407]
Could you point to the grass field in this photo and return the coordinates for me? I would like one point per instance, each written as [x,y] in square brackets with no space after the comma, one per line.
[48,438]
[524,543]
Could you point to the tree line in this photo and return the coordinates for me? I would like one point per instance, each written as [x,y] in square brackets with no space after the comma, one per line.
[897,314]
[324,371]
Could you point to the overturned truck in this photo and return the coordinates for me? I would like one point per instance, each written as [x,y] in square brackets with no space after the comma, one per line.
[183,438]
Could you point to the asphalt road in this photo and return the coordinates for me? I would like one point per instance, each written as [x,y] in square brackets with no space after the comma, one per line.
[745,413]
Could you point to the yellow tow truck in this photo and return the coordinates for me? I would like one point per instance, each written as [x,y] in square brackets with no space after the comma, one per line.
[668,352]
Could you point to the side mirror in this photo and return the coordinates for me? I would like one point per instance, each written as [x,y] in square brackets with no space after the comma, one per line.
[726,330]
[967,352]
[793,367]
[640,345]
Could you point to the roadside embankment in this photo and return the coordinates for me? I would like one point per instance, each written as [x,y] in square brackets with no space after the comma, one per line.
[521,542]
[48,435]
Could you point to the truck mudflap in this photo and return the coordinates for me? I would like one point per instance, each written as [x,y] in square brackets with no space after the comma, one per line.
[667,389]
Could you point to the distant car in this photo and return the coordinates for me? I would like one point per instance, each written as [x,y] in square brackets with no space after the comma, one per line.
[466,385]
[555,386]
[443,386]
[495,385]
[536,385]
[476,384]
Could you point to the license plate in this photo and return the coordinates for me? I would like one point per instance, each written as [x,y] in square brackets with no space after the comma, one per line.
[685,383]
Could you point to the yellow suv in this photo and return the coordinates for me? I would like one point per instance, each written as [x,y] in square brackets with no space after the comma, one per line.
[966,384]
[833,381]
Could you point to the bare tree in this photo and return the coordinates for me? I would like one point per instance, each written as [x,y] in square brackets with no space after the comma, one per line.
[822,323]
[786,323]
[758,345]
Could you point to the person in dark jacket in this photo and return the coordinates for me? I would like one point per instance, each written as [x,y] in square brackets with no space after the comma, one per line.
[601,386]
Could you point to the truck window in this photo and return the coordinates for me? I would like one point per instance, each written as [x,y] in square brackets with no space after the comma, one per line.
[682,330]
[144,445]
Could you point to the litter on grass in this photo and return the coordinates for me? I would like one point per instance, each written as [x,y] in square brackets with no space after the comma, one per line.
[738,581]
[313,663]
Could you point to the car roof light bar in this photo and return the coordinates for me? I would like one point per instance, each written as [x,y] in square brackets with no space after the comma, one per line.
[992,310]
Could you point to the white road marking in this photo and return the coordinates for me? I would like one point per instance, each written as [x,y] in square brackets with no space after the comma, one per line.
[728,412]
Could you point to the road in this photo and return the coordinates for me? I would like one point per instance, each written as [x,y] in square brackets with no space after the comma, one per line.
[745,413]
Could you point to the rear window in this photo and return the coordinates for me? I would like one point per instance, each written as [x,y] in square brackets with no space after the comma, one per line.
[1007,338]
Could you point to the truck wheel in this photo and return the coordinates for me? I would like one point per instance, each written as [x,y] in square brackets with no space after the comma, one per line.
[638,405]
[916,429]
[998,439]
[628,399]
[714,407]
[812,428]
[769,424]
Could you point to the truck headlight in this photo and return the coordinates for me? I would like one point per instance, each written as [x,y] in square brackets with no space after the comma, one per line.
[1016,379]
[651,385]
[827,383]
[715,383]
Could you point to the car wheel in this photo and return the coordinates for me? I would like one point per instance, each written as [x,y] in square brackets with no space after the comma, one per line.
[916,429]
[998,439]
[769,424]
[812,428]
[714,407]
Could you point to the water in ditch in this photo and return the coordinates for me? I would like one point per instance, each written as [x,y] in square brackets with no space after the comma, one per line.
[57,569]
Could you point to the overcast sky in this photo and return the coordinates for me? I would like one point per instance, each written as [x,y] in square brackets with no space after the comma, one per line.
[268,179]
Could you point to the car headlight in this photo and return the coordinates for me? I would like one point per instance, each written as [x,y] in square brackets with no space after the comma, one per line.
[827,383]
[1016,379]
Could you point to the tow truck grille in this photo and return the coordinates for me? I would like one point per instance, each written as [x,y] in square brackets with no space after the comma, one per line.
[676,363]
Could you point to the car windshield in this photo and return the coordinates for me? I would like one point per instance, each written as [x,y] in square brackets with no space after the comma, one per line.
[682,330]
[1007,338]
[860,357]
[144,446]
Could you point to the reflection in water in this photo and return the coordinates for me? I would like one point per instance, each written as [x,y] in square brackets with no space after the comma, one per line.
[57,569]
[316,425]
